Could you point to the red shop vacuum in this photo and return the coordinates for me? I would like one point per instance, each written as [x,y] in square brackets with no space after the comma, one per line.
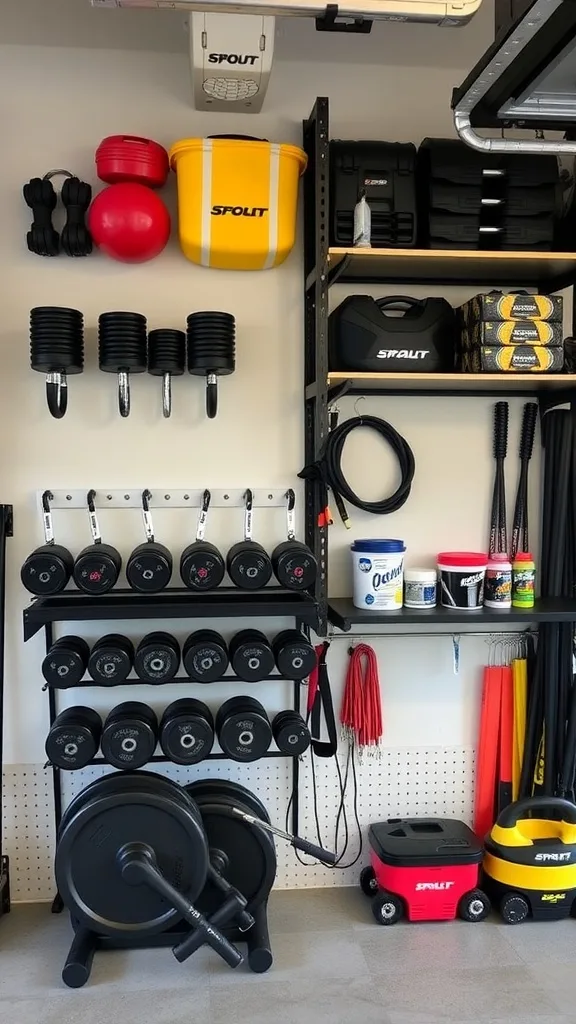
[425,869]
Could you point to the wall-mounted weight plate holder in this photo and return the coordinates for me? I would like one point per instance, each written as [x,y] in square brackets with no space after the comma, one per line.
[131,498]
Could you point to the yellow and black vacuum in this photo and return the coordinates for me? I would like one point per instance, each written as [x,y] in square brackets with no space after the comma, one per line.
[530,860]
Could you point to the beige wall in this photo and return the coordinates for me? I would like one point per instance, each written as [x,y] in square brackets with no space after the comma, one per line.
[56,106]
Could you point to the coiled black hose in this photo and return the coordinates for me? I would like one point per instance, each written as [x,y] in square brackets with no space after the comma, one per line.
[328,469]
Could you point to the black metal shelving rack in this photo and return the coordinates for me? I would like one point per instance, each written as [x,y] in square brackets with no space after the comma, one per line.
[323,267]
[6,530]
[226,602]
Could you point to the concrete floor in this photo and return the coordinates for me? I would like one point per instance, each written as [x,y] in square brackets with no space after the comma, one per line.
[333,965]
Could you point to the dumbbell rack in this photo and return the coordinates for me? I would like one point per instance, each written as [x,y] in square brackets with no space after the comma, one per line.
[6,530]
[225,602]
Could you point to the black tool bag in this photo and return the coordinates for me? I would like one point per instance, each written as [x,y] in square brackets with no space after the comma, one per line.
[364,336]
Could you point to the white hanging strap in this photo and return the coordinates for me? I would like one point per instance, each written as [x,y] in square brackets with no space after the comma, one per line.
[248,515]
[93,518]
[290,515]
[47,517]
[147,516]
[203,516]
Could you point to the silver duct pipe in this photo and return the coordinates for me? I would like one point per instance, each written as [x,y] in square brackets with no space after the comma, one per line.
[534,146]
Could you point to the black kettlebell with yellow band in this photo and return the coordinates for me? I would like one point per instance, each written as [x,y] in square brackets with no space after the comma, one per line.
[530,861]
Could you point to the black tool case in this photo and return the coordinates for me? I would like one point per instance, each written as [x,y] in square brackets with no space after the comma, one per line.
[386,173]
[472,200]
[362,335]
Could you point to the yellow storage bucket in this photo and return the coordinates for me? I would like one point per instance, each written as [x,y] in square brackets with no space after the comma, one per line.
[237,201]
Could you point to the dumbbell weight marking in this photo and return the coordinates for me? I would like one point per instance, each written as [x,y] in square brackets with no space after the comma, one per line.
[157,658]
[129,735]
[187,731]
[251,655]
[205,656]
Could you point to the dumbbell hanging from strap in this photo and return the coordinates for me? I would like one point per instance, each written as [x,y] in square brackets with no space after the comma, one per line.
[248,564]
[166,359]
[295,567]
[149,568]
[47,570]
[122,349]
[56,349]
[202,565]
[97,567]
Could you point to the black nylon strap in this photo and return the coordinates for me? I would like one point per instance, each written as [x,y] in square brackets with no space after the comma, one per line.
[323,701]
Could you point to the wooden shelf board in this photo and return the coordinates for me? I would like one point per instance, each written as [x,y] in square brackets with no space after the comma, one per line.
[508,382]
[453,265]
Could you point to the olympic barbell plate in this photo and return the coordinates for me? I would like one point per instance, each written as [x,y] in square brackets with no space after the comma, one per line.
[87,873]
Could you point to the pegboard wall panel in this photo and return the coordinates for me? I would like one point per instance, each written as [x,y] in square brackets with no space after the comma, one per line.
[403,781]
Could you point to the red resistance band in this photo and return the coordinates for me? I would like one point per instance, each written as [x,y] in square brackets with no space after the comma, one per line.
[361,712]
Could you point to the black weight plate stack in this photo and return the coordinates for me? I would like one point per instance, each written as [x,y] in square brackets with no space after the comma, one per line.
[187,731]
[251,655]
[122,348]
[205,656]
[129,735]
[47,570]
[56,348]
[73,740]
[157,658]
[211,350]
[111,659]
[97,568]
[202,566]
[149,568]
[245,853]
[291,733]
[295,655]
[243,729]
[66,662]
[166,352]
[129,808]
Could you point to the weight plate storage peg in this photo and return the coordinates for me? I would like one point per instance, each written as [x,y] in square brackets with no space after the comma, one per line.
[74,737]
[122,343]
[166,359]
[56,349]
[251,655]
[149,568]
[295,656]
[97,567]
[187,731]
[47,570]
[111,660]
[295,567]
[205,656]
[157,658]
[243,729]
[291,733]
[202,566]
[66,662]
[248,564]
[129,735]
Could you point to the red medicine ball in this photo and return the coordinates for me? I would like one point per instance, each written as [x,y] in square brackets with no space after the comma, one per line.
[129,222]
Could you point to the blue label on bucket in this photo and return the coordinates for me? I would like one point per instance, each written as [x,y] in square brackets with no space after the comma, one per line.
[364,564]
[369,599]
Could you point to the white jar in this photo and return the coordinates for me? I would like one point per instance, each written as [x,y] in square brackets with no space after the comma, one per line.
[378,571]
[420,588]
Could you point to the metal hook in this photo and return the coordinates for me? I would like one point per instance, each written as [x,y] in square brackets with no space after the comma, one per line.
[146,516]
[146,496]
[93,518]
[90,499]
[47,497]
[206,499]
[291,499]
[248,499]
[57,393]
[361,398]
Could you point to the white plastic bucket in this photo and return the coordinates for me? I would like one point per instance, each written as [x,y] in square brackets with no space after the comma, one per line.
[378,569]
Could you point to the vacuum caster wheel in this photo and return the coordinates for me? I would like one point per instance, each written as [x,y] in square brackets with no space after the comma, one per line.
[368,882]
[474,906]
[514,908]
[387,908]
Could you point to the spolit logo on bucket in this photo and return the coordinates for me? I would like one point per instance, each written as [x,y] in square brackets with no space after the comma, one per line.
[364,564]
[381,579]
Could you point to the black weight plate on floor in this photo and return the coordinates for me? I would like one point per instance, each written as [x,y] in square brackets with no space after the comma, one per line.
[249,853]
[87,874]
